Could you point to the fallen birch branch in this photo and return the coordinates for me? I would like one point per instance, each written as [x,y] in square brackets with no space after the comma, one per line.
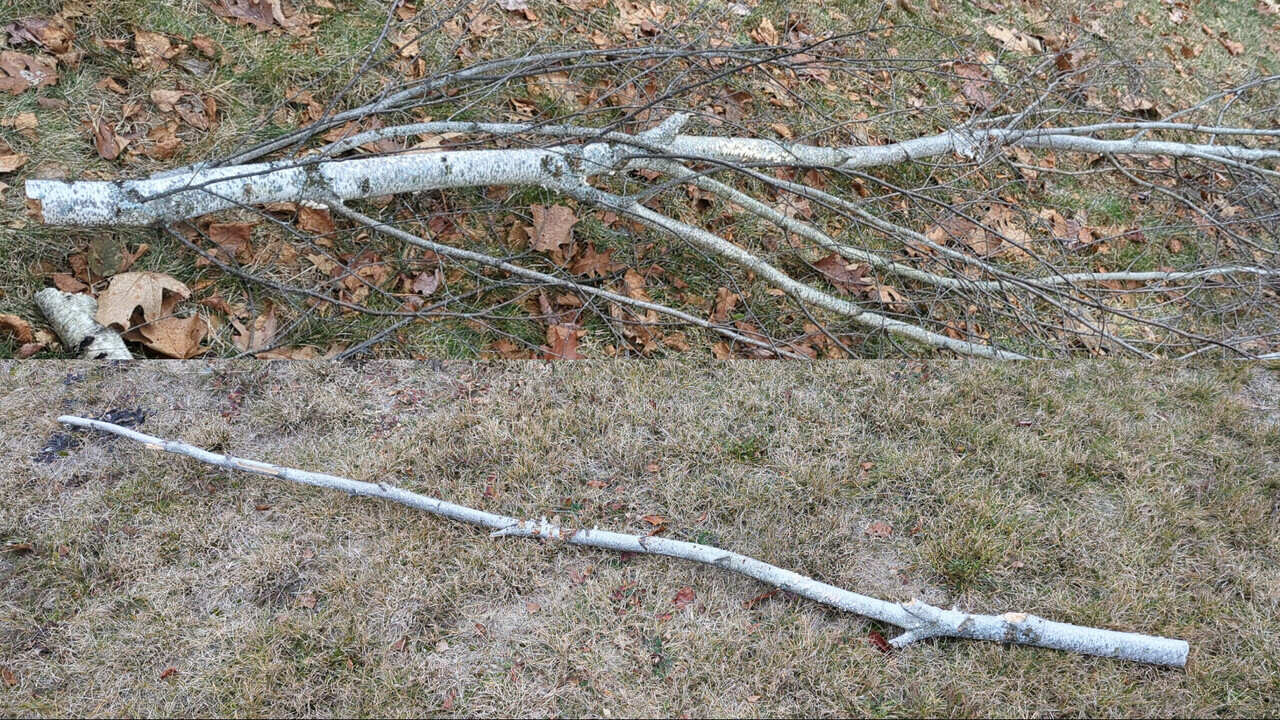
[72,317]
[918,620]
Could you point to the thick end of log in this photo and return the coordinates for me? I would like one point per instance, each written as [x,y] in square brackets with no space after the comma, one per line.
[81,203]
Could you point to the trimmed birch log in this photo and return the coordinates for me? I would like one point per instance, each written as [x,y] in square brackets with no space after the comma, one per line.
[71,316]
[919,620]
[170,197]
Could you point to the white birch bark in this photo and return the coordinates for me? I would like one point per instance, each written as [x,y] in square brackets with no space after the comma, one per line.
[71,317]
[173,197]
[919,620]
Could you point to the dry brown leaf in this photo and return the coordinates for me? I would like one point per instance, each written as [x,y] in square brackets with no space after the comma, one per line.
[683,597]
[316,220]
[974,85]
[553,230]
[880,529]
[850,277]
[1014,40]
[154,294]
[19,71]
[562,342]
[175,337]
[260,334]
[16,327]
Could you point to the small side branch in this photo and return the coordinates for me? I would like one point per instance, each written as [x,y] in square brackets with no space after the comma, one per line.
[919,620]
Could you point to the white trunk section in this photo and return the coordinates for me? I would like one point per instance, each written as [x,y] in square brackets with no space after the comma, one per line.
[919,620]
[187,194]
[71,317]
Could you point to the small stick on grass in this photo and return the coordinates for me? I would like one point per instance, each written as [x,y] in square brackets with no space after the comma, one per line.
[918,620]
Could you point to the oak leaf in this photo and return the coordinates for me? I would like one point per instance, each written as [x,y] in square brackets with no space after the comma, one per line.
[562,342]
[175,337]
[850,277]
[19,71]
[16,327]
[552,229]
[153,294]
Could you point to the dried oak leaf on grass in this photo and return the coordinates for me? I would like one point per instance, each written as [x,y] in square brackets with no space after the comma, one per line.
[10,159]
[20,72]
[260,333]
[142,305]
[265,15]
[850,277]
[553,231]
[562,342]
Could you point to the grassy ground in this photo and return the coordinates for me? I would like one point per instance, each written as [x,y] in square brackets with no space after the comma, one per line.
[1143,498]
[252,71]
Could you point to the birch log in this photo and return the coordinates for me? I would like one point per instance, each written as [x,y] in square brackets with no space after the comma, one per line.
[918,620]
[71,316]
[170,197]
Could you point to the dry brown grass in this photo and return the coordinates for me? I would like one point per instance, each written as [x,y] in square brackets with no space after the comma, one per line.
[1144,498]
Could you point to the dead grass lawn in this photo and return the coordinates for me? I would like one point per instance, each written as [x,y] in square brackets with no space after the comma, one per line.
[1143,498]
